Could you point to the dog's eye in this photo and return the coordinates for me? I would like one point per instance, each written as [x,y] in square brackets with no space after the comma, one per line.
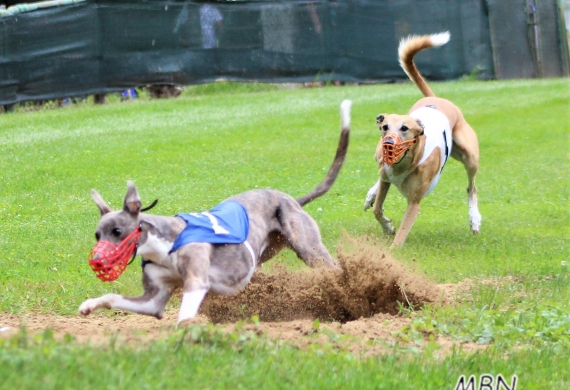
[97,236]
[404,128]
[385,127]
[116,232]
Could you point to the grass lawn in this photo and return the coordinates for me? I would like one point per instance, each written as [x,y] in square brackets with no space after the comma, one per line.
[221,139]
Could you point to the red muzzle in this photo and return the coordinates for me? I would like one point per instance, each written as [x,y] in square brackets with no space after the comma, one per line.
[393,148]
[108,260]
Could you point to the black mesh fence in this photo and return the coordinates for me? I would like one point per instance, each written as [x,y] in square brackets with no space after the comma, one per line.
[98,46]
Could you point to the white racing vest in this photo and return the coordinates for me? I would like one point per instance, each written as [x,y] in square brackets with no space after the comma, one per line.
[438,133]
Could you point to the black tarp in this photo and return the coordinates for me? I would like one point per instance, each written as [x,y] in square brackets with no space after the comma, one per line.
[101,46]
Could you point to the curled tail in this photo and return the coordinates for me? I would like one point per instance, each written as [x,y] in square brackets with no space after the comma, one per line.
[329,179]
[409,47]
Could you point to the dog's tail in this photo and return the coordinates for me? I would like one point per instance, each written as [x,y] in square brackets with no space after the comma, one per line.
[328,181]
[409,47]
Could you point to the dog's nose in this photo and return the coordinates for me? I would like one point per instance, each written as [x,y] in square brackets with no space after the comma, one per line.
[389,141]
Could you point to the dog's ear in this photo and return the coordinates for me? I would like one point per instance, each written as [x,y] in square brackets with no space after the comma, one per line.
[147,227]
[379,154]
[100,203]
[380,118]
[132,203]
[421,125]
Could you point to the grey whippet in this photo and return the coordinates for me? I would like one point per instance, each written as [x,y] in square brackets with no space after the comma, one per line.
[276,220]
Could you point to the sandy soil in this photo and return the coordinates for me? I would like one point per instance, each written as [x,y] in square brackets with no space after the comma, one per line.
[357,307]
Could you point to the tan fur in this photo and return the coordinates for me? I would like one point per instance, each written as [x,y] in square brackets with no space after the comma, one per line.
[407,53]
[465,147]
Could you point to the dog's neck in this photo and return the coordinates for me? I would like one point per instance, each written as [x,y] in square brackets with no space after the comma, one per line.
[158,236]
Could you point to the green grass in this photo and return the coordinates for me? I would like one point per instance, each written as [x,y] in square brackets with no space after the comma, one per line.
[221,139]
[209,359]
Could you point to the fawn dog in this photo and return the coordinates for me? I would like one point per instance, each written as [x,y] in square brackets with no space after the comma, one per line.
[414,147]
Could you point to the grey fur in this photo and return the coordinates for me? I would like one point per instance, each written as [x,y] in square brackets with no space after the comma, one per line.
[276,221]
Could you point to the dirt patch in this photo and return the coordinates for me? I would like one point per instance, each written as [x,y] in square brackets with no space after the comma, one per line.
[96,329]
[369,282]
[357,307]
[364,337]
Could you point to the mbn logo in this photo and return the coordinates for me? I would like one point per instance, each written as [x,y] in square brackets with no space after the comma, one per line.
[486,382]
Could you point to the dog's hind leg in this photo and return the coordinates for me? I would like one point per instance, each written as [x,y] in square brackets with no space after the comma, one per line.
[466,150]
[474,215]
[304,237]
[152,302]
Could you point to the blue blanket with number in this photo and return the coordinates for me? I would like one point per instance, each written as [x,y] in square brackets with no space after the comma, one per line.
[227,223]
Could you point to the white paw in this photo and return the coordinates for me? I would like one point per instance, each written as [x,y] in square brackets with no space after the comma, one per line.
[475,220]
[186,321]
[88,307]
[371,196]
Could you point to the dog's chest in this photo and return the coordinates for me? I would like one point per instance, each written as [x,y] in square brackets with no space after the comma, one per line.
[157,250]
[437,132]
[396,178]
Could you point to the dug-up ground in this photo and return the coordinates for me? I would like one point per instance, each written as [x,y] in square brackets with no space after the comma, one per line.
[357,307]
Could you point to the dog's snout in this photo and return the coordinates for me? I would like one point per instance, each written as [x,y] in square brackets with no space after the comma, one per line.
[389,141]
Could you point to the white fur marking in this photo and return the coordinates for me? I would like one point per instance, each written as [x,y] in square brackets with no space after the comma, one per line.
[115,301]
[148,307]
[190,304]
[345,113]
[440,39]
[435,40]
[154,248]
[371,195]
[474,215]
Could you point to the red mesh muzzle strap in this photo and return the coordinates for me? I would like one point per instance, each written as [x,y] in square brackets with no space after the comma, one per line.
[108,260]
[393,152]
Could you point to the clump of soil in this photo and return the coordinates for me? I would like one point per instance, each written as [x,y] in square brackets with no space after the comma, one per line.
[369,282]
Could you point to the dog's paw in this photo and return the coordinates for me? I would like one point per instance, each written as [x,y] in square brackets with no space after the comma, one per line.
[198,320]
[371,196]
[475,227]
[387,227]
[475,220]
[88,307]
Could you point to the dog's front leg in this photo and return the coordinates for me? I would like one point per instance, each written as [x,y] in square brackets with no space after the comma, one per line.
[383,187]
[407,223]
[152,302]
[371,196]
[193,265]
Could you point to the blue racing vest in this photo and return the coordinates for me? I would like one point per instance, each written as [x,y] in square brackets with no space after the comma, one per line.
[227,223]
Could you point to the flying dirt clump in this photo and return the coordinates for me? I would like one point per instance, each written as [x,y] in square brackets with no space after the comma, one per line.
[368,283]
